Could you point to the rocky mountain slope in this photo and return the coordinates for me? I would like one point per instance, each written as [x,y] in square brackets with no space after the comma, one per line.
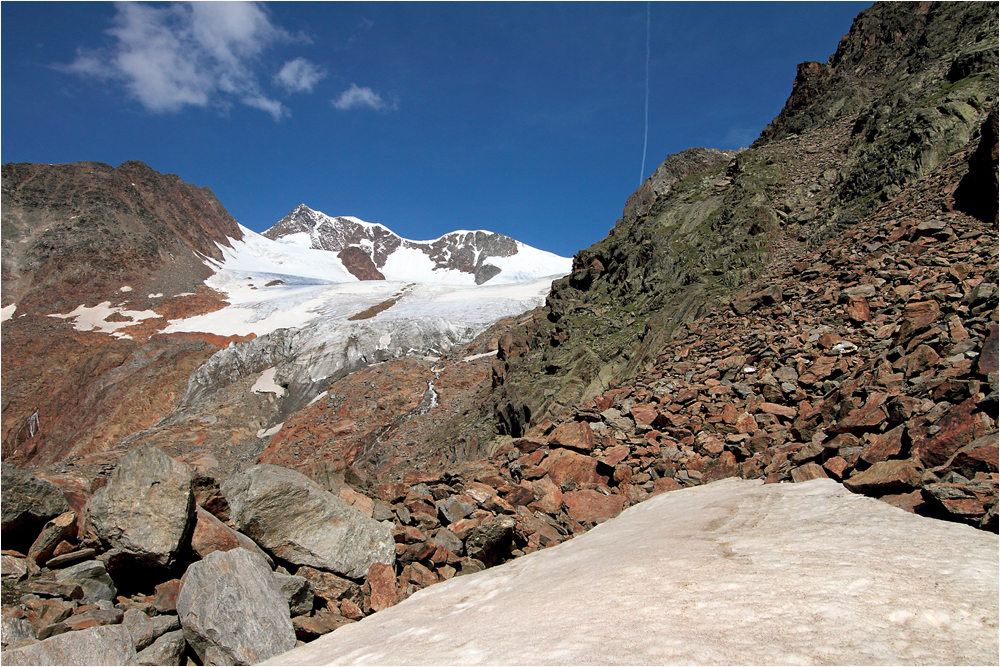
[822,304]
[373,252]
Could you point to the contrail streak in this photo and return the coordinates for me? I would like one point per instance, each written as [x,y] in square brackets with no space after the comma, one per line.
[645,136]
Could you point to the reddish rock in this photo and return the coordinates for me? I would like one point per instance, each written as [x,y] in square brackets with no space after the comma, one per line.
[836,467]
[362,503]
[592,506]
[922,314]
[164,598]
[884,446]
[529,445]
[858,310]
[644,414]
[808,471]
[780,410]
[308,628]
[663,485]
[417,574]
[380,587]
[885,477]
[729,413]
[979,456]
[989,356]
[564,464]
[53,532]
[361,266]
[463,527]
[350,610]
[958,428]
[326,585]
[745,423]
[917,361]
[615,455]
[393,493]
[573,435]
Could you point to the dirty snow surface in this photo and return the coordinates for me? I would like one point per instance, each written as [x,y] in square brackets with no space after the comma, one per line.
[734,572]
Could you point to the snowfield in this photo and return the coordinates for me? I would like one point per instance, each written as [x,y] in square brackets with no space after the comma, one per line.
[272,285]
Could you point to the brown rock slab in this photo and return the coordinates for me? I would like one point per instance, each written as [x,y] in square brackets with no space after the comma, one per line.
[884,446]
[573,435]
[959,427]
[590,506]
[563,464]
[808,471]
[380,587]
[781,410]
[989,356]
[885,477]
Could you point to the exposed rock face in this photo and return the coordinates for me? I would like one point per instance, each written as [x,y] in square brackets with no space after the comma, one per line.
[293,518]
[87,235]
[365,247]
[886,111]
[101,645]
[146,510]
[671,170]
[28,502]
[233,611]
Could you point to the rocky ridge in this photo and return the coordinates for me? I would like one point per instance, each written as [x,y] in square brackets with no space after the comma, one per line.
[365,248]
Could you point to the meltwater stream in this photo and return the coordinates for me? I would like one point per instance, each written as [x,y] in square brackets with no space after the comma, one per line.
[372,441]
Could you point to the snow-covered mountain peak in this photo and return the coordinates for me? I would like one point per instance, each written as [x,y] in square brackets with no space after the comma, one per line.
[371,251]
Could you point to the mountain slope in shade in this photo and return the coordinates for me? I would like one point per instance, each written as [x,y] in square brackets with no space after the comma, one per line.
[373,252]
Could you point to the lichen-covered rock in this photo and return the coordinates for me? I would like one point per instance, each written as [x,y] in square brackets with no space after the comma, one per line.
[292,517]
[101,645]
[146,510]
[233,611]
[28,502]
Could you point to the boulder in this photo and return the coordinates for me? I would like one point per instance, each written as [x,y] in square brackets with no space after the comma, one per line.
[63,527]
[167,650]
[93,578]
[14,630]
[146,510]
[885,477]
[574,435]
[233,611]
[491,542]
[210,534]
[592,506]
[297,591]
[296,520]
[380,587]
[28,502]
[101,645]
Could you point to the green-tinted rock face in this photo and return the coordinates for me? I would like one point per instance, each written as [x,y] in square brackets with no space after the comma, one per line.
[909,87]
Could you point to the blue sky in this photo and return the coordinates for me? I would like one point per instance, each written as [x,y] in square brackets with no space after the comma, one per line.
[521,118]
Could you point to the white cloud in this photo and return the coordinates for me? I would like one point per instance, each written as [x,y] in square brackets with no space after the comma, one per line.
[299,76]
[187,54]
[359,98]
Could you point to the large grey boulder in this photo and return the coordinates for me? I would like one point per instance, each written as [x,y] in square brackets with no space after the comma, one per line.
[100,645]
[296,520]
[27,503]
[146,510]
[233,611]
[167,650]
[93,578]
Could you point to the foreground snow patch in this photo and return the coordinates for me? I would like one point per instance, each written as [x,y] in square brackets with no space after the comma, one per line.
[733,572]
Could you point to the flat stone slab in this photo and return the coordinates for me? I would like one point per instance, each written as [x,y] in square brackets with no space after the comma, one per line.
[733,572]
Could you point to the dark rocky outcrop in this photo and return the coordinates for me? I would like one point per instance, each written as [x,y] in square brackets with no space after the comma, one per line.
[28,503]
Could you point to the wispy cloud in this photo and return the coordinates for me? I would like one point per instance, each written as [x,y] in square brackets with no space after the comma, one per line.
[360,98]
[196,54]
[299,76]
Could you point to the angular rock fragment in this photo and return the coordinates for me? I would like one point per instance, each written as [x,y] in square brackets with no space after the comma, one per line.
[233,611]
[166,650]
[93,578]
[28,502]
[146,510]
[102,645]
[292,517]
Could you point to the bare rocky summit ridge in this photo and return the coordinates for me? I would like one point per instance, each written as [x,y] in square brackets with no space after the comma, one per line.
[468,252]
